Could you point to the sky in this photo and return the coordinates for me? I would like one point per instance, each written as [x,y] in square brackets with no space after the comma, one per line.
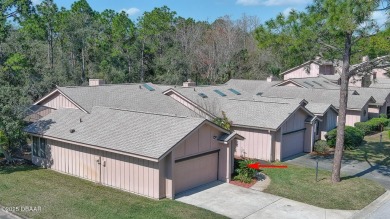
[200,10]
[204,10]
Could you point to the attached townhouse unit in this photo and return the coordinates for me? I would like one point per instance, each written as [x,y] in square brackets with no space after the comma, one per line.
[273,128]
[357,108]
[131,137]
[358,105]
[319,67]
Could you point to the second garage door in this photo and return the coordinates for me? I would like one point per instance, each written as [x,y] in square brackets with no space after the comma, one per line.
[196,171]
[292,143]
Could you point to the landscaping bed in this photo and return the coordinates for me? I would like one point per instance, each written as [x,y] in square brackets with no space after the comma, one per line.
[299,184]
[62,196]
[242,184]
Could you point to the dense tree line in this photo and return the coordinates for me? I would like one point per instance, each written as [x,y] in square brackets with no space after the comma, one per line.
[43,46]
[55,46]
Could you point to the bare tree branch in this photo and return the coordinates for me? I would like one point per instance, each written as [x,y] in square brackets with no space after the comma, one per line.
[329,46]
[366,67]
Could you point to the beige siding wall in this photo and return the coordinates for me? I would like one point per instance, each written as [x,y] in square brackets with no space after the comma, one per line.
[295,122]
[352,117]
[119,171]
[257,144]
[329,122]
[278,145]
[200,141]
[190,106]
[57,101]
[303,72]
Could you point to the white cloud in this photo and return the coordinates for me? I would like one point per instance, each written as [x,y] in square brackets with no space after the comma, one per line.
[36,2]
[287,11]
[380,17]
[271,2]
[131,11]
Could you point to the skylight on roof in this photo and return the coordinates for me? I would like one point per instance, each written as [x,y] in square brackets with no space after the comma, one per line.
[220,93]
[315,82]
[259,94]
[308,83]
[202,95]
[234,91]
[148,87]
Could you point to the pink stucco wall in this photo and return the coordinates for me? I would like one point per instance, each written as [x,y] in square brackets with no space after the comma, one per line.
[257,144]
[140,176]
[304,72]
[127,173]
[201,141]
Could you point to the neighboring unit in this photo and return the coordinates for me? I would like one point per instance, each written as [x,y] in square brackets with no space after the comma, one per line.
[274,129]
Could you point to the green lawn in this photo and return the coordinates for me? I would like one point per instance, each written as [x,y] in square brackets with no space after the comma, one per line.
[298,183]
[372,150]
[63,196]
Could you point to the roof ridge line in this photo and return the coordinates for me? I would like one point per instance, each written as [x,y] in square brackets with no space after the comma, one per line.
[144,112]
[256,101]
[75,86]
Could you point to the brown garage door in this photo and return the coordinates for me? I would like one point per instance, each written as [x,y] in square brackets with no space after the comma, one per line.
[293,143]
[196,171]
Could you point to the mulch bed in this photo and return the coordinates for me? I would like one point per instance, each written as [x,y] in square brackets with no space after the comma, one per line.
[242,184]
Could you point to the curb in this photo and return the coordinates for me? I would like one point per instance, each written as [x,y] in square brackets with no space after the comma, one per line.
[373,206]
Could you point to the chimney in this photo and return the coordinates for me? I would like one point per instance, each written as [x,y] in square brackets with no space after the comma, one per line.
[96,82]
[189,83]
[365,59]
[271,78]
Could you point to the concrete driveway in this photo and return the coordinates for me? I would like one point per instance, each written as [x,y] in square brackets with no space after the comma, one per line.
[237,202]
[375,172]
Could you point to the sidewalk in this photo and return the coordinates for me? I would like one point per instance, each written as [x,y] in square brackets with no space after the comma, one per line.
[378,209]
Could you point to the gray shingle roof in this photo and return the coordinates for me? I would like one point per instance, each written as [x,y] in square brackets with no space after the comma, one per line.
[251,86]
[318,96]
[318,108]
[126,96]
[145,134]
[379,95]
[381,83]
[243,110]
[317,82]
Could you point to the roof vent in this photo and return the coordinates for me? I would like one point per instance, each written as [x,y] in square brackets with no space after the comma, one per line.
[72,130]
[271,78]
[202,95]
[189,83]
[96,82]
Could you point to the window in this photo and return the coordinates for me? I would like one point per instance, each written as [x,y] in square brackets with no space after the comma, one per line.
[317,127]
[39,147]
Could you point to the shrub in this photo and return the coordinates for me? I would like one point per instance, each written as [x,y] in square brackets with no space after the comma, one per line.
[382,115]
[374,124]
[321,147]
[352,139]
[388,133]
[244,173]
[365,127]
